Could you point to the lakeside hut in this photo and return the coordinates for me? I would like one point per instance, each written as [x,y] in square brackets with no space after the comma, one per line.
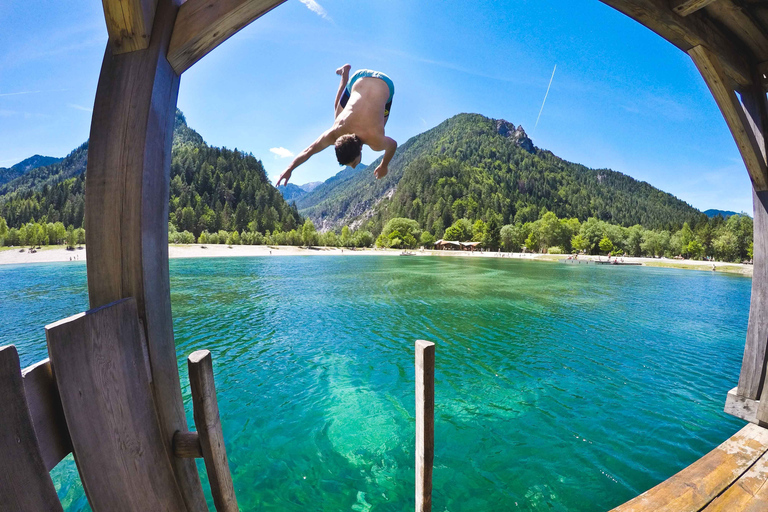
[111,392]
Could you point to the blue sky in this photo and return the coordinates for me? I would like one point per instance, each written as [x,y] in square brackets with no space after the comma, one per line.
[622,97]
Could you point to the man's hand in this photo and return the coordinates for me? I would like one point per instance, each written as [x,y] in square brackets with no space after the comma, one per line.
[381,171]
[285,176]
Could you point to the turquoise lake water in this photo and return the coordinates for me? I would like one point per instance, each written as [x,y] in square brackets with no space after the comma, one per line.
[558,387]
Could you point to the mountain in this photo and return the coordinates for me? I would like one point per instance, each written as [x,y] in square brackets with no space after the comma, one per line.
[293,192]
[309,187]
[23,167]
[212,189]
[723,213]
[474,167]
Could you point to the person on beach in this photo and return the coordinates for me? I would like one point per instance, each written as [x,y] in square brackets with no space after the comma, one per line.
[361,110]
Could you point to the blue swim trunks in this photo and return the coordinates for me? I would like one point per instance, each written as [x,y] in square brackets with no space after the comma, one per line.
[363,73]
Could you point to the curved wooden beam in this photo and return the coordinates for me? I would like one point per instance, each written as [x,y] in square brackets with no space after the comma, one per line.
[129,23]
[127,189]
[202,25]
[686,32]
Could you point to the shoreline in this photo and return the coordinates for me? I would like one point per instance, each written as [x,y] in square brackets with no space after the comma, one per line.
[52,254]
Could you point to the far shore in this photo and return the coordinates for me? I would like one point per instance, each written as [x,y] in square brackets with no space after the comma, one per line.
[58,253]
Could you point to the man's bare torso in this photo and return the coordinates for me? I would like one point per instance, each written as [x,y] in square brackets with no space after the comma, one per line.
[364,112]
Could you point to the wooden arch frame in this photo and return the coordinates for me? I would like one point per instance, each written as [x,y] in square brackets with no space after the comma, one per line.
[151,42]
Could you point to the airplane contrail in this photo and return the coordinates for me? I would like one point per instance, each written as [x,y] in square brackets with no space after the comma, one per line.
[545,98]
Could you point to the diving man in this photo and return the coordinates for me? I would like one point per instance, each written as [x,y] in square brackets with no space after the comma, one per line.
[361,111]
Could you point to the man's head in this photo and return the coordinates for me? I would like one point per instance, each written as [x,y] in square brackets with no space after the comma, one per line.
[349,150]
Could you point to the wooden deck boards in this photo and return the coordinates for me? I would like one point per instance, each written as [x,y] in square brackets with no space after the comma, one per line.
[732,478]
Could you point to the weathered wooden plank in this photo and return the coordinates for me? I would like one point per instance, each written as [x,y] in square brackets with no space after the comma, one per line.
[688,32]
[686,7]
[104,387]
[129,23]
[735,116]
[697,485]
[46,413]
[186,445]
[738,20]
[25,484]
[202,25]
[748,494]
[425,423]
[741,407]
[127,189]
[208,424]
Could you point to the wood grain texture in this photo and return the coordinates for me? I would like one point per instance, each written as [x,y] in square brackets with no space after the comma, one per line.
[735,116]
[748,494]
[208,425]
[686,7]
[425,423]
[127,190]
[741,407]
[46,413]
[202,25]
[119,447]
[24,481]
[694,487]
[129,23]
[686,32]
[186,445]
[739,21]
[753,362]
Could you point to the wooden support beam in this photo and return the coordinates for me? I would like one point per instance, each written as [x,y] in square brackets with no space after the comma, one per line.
[202,25]
[425,423]
[25,484]
[126,213]
[208,424]
[686,7]
[46,413]
[129,23]
[690,31]
[186,445]
[748,135]
[738,20]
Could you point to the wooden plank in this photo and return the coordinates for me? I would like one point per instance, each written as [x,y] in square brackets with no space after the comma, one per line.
[46,413]
[752,151]
[425,423]
[104,387]
[129,23]
[186,445]
[686,7]
[25,484]
[127,189]
[202,25]
[697,485]
[741,407]
[748,494]
[208,424]
[688,32]
[738,20]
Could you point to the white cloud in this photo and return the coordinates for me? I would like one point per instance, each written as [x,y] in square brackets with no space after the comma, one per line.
[317,9]
[281,152]
[79,107]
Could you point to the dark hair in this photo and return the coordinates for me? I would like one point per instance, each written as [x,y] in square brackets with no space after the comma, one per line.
[348,148]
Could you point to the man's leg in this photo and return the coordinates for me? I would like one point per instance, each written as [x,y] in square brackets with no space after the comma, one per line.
[344,72]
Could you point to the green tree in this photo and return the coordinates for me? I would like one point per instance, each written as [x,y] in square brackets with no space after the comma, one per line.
[427,239]
[308,233]
[478,231]
[695,249]
[459,231]
[578,243]
[512,237]
[346,237]
[606,245]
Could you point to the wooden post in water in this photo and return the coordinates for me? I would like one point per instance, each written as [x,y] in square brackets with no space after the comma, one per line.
[425,423]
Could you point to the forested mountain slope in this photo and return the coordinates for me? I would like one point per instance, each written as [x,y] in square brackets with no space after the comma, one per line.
[11,173]
[474,167]
[211,189]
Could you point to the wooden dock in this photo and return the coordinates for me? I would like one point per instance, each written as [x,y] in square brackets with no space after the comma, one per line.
[731,478]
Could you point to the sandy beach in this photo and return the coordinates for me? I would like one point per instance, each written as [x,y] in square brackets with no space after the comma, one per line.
[48,254]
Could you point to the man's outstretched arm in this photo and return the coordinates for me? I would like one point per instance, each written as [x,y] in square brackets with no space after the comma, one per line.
[390,146]
[325,140]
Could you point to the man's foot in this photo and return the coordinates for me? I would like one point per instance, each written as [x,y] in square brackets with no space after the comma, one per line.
[343,70]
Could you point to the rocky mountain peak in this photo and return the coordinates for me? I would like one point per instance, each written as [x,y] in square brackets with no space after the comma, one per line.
[515,134]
